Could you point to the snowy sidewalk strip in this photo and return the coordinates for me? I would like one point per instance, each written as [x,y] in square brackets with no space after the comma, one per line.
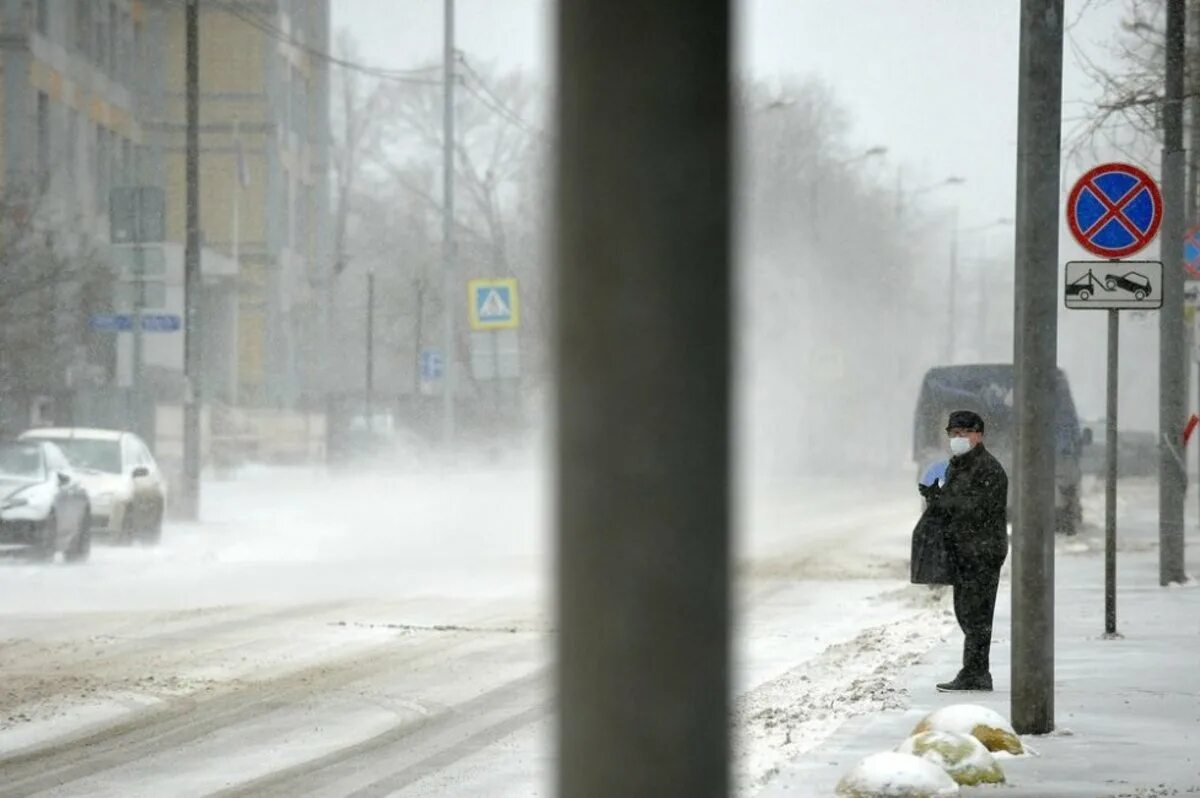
[1127,711]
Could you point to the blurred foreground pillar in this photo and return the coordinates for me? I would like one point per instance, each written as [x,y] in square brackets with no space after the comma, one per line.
[643,404]
[1039,122]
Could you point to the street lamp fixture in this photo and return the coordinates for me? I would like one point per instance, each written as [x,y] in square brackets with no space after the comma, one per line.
[815,184]
[873,152]
[952,180]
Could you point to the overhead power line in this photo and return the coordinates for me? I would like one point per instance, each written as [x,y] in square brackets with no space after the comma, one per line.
[476,86]
[489,98]
[251,17]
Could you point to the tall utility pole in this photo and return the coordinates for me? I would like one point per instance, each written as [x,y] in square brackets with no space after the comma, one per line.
[450,296]
[139,303]
[418,323]
[370,382]
[1039,122]
[190,495]
[644,317]
[1193,27]
[1172,368]
[951,305]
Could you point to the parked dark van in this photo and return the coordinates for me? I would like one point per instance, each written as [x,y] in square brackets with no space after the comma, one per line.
[988,390]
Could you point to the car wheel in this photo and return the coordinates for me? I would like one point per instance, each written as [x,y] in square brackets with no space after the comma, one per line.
[128,526]
[1085,295]
[151,533]
[1139,295]
[1110,284]
[81,547]
[47,544]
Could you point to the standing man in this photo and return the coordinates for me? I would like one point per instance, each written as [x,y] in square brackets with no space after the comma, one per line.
[974,501]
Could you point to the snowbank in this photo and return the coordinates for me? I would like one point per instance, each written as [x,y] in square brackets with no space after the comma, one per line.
[961,755]
[985,725]
[892,775]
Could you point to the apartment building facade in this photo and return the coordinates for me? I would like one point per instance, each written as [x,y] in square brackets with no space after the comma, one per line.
[264,155]
[92,97]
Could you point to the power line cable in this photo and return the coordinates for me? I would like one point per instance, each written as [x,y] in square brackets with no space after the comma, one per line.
[249,16]
[493,101]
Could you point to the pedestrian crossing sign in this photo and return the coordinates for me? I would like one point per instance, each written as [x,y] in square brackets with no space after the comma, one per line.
[493,304]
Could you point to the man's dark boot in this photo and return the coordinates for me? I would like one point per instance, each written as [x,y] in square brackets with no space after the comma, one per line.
[968,683]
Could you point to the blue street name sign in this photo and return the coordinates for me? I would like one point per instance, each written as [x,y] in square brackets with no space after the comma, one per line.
[123,322]
[432,367]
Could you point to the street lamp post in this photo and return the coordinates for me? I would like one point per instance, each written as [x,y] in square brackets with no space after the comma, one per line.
[951,315]
[814,187]
[902,196]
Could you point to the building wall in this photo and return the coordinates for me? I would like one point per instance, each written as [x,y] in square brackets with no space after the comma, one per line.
[92,97]
[70,130]
[256,79]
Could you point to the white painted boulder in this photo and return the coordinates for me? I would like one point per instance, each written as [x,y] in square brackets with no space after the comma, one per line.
[894,775]
[962,756]
[985,725]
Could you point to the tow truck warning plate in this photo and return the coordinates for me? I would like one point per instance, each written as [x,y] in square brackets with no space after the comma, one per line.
[1114,285]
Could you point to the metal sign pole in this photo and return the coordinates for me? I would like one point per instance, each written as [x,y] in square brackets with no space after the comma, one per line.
[139,302]
[370,353]
[1172,359]
[189,495]
[1110,490]
[448,283]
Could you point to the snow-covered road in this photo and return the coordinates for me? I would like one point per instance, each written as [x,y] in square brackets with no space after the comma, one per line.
[391,635]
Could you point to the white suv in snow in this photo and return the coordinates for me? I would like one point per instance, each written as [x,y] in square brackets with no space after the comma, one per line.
[125,488]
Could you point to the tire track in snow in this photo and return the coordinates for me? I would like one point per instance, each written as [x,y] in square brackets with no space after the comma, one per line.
[188,719]
[55,669]
[427,745]
[433,744]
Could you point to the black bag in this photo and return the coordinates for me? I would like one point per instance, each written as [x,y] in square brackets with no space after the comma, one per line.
[931,562]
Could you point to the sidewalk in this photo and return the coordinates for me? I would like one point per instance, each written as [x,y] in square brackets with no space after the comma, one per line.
[1127,711]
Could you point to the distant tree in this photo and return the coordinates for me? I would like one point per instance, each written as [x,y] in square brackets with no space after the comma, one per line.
[835,303]
[49,286]
[1126,115]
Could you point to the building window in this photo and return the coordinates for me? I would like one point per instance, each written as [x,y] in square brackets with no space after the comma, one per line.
[83,27]
[103,173]
[128,167]
[299,104]
[304,209]
[286,220]
[114,40]
[43,140]
[127,52]
[100,46]
[43,17]
[299,26]
[72,143]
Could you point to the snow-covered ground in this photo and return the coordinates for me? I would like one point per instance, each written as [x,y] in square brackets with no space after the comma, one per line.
[1126,710]
[390,634]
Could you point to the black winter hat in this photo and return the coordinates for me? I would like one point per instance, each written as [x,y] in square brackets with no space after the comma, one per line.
[965,419]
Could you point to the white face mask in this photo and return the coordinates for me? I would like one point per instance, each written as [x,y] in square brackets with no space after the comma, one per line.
[959,446]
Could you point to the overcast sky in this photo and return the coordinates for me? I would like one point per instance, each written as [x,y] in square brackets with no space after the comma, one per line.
[935,81]
[932,80]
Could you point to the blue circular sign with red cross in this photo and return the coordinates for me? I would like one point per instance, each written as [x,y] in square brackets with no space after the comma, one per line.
[1114,210]
[1191,252]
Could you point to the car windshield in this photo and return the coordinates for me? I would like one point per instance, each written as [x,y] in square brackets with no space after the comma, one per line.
[20,461]
[91,454]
